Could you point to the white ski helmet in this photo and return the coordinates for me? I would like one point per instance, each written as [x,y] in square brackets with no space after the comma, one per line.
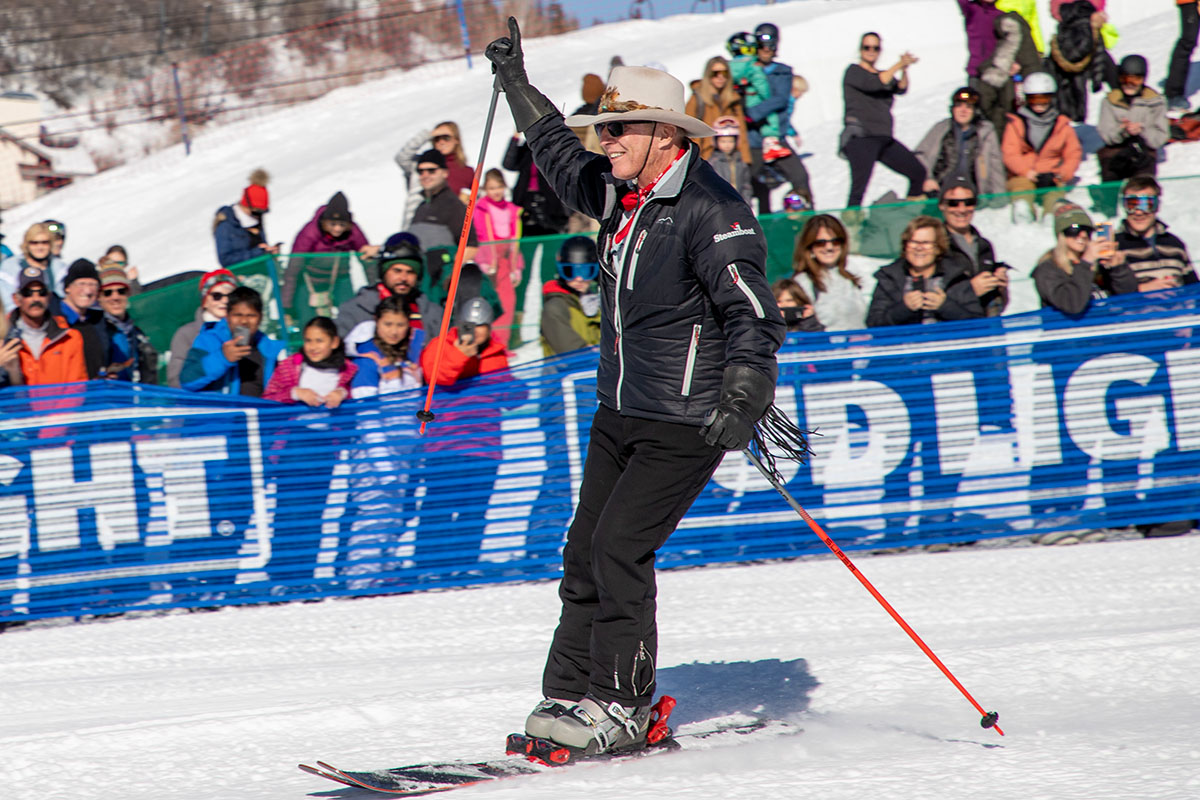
[1040,83]
[726,126]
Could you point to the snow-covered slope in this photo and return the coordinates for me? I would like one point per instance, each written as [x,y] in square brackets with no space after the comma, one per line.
[1087,652]
[162,207]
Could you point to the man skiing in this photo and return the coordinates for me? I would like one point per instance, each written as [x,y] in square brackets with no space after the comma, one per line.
[687,368]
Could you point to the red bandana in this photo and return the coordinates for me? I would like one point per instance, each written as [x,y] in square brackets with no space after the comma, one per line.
[632,200]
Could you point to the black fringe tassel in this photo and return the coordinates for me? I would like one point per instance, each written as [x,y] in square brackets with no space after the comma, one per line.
[775,430]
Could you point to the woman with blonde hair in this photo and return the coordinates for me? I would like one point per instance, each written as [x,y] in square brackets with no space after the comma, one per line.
[819,261]
[1070,274]
[927,283]
[713,97]
[35,253]
[447,140]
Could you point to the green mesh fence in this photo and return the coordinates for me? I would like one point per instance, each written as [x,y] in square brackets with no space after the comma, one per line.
[299,286]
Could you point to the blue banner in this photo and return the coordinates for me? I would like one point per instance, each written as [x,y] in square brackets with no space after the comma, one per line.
[116,497]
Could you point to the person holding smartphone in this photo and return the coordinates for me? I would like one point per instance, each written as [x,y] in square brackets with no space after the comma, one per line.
[469,348]
[10,350]
[233,356]
[957,200]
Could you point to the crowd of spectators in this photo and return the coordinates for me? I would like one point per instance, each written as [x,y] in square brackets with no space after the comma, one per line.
[1010,128]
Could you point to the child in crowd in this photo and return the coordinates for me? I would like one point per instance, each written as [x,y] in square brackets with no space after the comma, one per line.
[469,348]
[798,311]
[496,219]
[319,375]
[726,159]
[233,356]
[391,360]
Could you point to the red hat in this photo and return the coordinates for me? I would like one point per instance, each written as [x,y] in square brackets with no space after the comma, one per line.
[256,198]
[217,276]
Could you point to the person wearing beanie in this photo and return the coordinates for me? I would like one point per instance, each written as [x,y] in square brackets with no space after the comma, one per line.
[1133,124]
[401,266]
[965,143]
[313,286]
[130,355]
[1073,272]
[81,288]
[214,288]
[438,220]
[238,229]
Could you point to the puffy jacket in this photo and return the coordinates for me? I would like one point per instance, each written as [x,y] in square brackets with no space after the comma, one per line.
[235,244]
[371,379]
[565,325]
[207,370]
[457,367]
[705,105]
[887,303]
[1156,254]
[423,313]
[978,18]
[287,377]
[1149,108]
[1072,293]
[938,153]
[698,303]
[769,116]
[61,359]
[1060,153]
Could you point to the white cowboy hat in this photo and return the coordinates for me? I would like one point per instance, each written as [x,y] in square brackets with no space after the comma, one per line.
[642,94]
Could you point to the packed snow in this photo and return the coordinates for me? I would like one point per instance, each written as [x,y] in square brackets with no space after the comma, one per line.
[1087,652]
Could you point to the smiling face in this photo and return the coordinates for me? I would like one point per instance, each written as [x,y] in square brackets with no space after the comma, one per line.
[431,176]
[1078,243]
[629,152]
[826,250]
[1141,216]
[216,302]
[38,247]
[391,327]
[114,299]
[963,114]
[921,250]
[870,48]
[319,345]
[444,140]
[82,293]
[31,303]
[495,190]
[957,213]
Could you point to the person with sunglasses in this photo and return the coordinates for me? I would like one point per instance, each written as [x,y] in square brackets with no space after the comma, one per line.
[713,97]
[957,200]
[819,269]
[131,357]
[867,136]
[1040,147]
[1158,258]
[571,301]
[1068,276]
[438,219]
[51,351]
[966,143]
[214,287]
[1133,124]
[688,335]
[36,253]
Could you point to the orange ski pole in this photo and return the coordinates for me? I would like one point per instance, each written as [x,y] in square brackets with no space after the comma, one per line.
[989,717]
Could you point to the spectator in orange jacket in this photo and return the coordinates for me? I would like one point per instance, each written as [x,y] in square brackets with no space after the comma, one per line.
[51,352]
[469,348]
[1040,148]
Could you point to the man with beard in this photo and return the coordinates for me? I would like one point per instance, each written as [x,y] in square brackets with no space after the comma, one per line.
[400,265]
[51,352]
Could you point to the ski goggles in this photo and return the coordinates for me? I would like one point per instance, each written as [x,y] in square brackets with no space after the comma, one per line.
[966,96]
[1030,99]
[1132,80]
[1141,202]
[570,272]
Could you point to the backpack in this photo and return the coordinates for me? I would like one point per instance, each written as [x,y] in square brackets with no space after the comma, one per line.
[1075,38]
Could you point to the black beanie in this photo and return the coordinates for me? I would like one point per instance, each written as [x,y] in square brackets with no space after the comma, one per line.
[1133,65]
[337,210]
[432,157]
[81,268]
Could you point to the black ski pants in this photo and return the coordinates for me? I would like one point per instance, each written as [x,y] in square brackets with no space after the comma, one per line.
[639,479]
[790,167]
[1181,56]
[863,152]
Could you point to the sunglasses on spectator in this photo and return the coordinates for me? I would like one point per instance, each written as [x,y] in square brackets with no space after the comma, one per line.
[1140,202]
[719,72]
[443,137]
[615,129]
[427,170]
[34,291]
[1132,79]
[122,290]
[827,242]
[1076,230]
[219,296]
[958,202]
[870,48]
[1038,98]
[39,241]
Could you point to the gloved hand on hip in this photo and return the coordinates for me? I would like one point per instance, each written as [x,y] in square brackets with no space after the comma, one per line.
[745,396]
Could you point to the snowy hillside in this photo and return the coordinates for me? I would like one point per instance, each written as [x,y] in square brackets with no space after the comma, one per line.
[162,207]
[1087,652]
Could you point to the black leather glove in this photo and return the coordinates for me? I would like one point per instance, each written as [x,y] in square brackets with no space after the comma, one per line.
[745,396]
[527,104]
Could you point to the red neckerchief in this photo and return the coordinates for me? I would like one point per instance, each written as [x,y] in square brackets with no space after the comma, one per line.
[632,200]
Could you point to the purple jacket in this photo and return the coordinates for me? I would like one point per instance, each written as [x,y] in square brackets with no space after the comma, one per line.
[311,239]
[979,18]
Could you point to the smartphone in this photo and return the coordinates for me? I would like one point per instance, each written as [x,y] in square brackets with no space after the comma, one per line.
[1106,239]
[14,333]
[241,335]
[467,334]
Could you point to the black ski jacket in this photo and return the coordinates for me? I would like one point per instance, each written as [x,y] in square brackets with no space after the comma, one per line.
[690,295]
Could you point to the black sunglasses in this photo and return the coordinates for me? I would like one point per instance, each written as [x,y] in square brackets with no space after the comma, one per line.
[824,242]
[219,296]
[1074,230]
[871,48]
[616,128]
[32,291]
[427,170]
[442,137]
[124,290]
[969,202]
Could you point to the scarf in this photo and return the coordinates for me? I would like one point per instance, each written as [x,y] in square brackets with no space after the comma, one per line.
[335,361]
[1038,126]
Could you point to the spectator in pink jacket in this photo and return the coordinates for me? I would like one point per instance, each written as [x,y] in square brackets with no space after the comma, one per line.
[331,230]
[497,218]
[319,375]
